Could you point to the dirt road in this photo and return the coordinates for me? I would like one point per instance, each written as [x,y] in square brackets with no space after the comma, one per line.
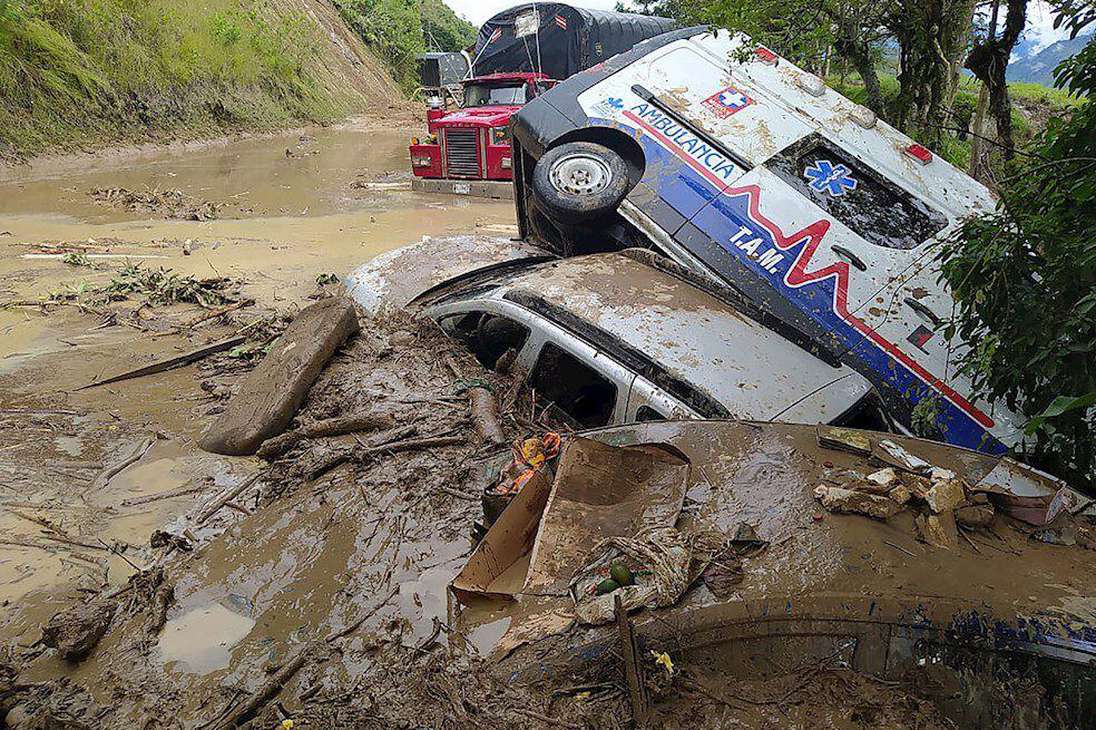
[274,213]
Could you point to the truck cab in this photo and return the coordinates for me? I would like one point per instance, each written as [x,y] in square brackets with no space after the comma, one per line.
[473,142]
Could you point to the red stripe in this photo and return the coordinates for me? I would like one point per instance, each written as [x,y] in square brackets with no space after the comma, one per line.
[797,276]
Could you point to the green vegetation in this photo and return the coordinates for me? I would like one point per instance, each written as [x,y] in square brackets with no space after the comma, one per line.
[1024,279]
[86,71]
[955,147]
[400,30]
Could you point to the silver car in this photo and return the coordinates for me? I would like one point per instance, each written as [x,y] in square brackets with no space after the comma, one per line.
[618,338]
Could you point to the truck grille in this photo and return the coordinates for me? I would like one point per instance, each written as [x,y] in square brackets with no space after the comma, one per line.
[462,152]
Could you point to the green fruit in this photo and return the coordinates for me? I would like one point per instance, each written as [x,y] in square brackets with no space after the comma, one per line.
[620,573]
[607,586]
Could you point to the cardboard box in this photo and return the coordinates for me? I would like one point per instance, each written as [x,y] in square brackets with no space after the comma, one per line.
[551,526]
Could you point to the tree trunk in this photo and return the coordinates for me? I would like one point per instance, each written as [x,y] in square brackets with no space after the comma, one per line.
[933,36]
[859,53]
[981,128]
[988,61]
[983,131]
[871,85]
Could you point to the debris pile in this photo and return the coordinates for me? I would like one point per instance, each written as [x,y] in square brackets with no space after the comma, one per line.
[944,504]
[167,203]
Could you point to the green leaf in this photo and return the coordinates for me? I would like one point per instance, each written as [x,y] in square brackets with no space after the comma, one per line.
[1062,404]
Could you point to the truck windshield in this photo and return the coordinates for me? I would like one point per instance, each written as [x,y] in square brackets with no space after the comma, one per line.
[487,94]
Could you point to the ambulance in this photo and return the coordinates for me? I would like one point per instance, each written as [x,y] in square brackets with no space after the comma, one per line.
[750,172]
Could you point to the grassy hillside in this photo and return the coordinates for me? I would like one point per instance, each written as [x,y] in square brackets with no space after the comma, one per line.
[91,71]
[399,30]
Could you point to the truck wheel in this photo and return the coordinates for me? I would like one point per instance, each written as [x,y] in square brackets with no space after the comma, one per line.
[578,181]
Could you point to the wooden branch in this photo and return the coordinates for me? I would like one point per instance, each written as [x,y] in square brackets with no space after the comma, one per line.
[277,446]
[633,672]
[227,497]
[112,471]
[265,693]
[172,362]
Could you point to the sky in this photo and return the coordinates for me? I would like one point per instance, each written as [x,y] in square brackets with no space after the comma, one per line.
[1040,31]
[478,11]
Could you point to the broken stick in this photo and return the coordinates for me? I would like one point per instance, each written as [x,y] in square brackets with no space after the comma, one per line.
[227,497]
[112,471]
[172,362]
[275,447]
[394,447]
[171,494]
[265,693]
[633,672]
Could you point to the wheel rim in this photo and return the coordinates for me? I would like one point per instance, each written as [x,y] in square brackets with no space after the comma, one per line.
[580,174]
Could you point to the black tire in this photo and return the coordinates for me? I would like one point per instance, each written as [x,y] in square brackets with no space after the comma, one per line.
[578,181]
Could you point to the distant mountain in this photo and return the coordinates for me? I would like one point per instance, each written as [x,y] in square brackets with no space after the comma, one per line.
[1039,67]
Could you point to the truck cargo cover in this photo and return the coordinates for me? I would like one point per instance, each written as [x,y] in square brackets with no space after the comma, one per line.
[570,39]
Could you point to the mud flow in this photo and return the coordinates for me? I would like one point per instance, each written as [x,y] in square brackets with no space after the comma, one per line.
[88,475]
[390,557]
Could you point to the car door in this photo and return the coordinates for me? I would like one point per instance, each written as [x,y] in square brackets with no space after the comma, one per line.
[648,402]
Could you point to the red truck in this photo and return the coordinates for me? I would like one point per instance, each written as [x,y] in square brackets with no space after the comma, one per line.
[473,143]
[520,53]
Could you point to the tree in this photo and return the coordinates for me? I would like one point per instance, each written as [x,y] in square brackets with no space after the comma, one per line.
[933,36]
[988,60]
[1024,280]
[859,29]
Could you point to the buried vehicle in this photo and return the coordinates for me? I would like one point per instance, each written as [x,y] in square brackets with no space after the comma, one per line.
[622,337]
[779,587]
[749,171]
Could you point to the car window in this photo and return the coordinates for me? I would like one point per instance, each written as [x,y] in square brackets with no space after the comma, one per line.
[487,336]
[578,392]
[646,413]
[852,192]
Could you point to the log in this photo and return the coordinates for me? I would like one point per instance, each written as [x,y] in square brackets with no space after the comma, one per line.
[485,415]
[272,394]
[279,445]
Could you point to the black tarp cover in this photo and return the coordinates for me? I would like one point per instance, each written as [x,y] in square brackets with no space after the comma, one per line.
[590,37]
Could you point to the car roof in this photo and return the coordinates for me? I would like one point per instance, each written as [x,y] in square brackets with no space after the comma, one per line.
[686,331]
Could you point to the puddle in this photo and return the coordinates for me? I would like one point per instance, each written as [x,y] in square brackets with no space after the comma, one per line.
[486,636]
[201,640]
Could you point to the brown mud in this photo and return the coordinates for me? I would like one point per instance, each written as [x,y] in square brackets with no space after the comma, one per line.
[287,213]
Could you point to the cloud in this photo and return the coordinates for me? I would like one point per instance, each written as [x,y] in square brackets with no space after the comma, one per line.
[1040,31]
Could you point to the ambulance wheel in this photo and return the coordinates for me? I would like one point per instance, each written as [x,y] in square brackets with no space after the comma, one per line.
[578,181]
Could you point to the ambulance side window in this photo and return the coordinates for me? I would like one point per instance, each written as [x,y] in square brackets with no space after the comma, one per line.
[852,192]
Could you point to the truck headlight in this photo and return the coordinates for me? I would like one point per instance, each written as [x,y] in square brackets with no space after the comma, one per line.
[506,164]
[500,135]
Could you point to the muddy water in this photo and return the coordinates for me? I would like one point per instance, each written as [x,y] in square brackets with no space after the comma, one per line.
[292,207]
